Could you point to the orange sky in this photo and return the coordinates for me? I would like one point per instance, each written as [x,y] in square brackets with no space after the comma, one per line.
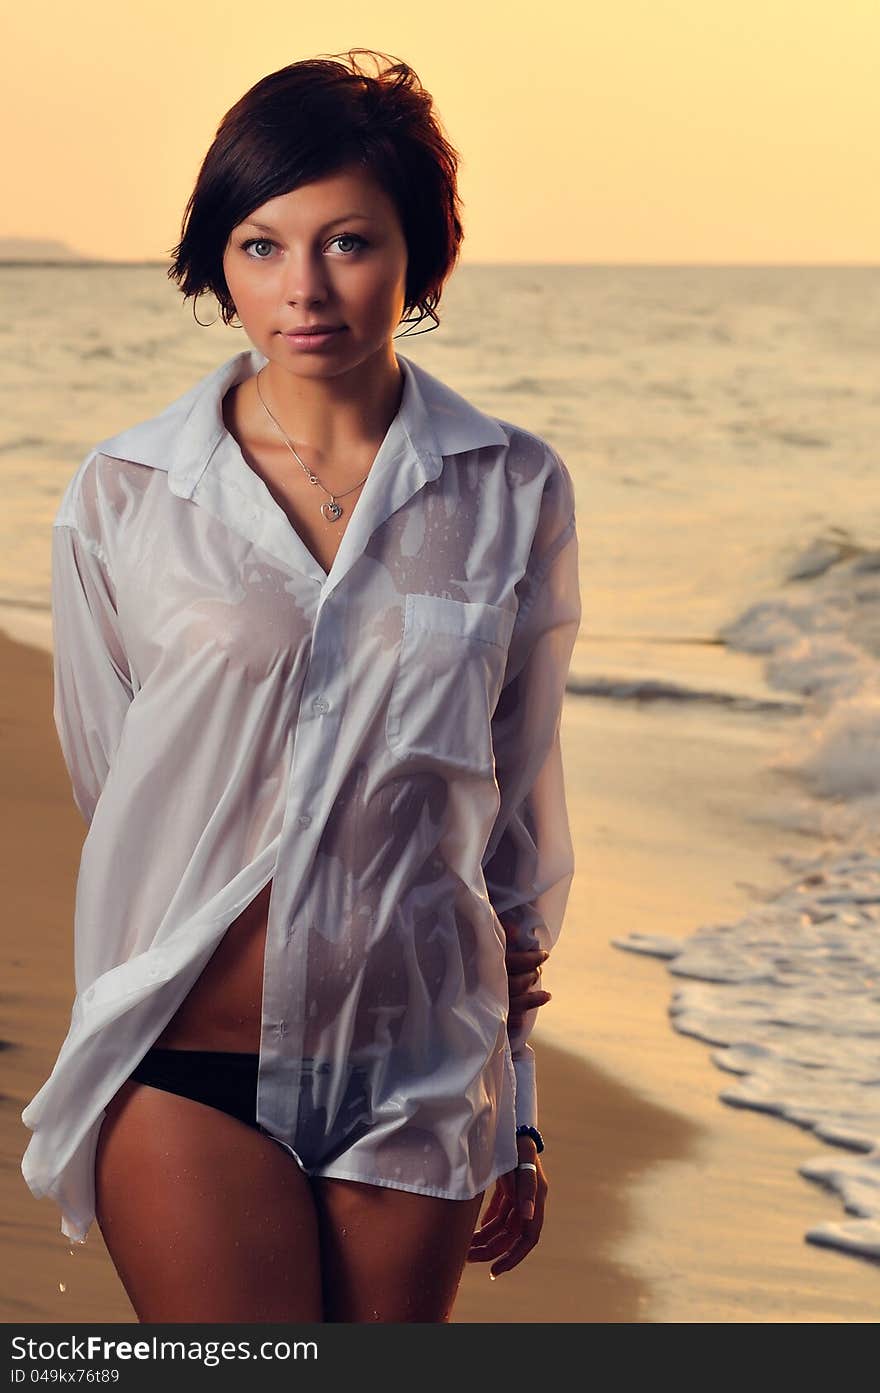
[646,131]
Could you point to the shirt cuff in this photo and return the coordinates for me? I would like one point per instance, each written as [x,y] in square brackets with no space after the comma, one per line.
[526,1088]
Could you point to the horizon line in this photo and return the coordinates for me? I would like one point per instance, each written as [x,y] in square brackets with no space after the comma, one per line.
[78,263]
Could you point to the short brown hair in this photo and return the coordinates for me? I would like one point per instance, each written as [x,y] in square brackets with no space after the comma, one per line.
[312,119]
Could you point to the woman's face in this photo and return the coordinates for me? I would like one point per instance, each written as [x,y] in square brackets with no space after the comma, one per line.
[329,252]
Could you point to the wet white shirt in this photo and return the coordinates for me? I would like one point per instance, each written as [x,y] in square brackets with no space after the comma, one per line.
[382,742]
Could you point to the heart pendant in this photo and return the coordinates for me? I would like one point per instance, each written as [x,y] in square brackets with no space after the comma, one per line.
[331,511]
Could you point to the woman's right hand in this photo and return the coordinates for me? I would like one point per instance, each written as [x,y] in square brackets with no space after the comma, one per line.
[514,1218]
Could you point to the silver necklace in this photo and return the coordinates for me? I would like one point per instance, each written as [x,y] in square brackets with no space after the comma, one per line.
[332,510]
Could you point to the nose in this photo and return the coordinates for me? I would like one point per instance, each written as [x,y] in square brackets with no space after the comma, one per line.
[305,280]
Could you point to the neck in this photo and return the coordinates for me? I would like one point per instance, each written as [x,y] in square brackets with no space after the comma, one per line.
[332,416]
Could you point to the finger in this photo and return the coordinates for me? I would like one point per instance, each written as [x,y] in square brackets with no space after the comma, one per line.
[528,1001]
[502,1200]
[498,1229]
[489,1232]
[521,959]
[524,959]
[485,1252]
[503,1203]
[526,1193]
[521,981]
[511,1243]
[518,1250]
[499,1246]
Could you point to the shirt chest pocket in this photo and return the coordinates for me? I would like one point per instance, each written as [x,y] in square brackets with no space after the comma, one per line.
[448,679]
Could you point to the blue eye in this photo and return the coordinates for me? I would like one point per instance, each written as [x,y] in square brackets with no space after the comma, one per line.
[256,242]
[340,237]
[350,237]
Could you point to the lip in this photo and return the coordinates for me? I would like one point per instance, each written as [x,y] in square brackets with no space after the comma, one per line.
[312,338]
[319,328]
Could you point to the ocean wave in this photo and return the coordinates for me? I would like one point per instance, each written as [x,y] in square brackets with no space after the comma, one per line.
[789,994]
[644,689]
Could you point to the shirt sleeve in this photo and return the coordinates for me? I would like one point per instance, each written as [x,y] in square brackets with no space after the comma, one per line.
[529,860]
[92,680]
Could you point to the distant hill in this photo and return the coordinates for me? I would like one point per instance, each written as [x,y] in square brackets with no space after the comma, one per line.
[36,249]
[42,251]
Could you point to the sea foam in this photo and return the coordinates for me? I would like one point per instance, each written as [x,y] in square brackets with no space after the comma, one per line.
[789,994]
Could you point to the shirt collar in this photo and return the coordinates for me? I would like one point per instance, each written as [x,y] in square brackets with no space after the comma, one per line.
[181,439]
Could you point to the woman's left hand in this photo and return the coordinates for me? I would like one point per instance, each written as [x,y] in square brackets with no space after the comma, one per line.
[524,974]
[513,1221]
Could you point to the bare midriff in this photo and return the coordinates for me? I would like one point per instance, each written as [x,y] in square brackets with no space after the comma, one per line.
[224,1008]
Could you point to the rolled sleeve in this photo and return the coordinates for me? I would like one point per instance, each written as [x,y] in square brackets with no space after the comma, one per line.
[529,861]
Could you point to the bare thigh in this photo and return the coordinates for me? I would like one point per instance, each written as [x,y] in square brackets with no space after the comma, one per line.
[205,1218]
[390,1255]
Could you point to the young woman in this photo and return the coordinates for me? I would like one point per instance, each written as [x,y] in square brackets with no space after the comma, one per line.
[312,628]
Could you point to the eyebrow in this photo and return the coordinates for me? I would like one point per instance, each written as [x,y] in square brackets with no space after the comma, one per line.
[343,217]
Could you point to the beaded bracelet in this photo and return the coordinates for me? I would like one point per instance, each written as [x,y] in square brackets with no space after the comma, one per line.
[526,1131]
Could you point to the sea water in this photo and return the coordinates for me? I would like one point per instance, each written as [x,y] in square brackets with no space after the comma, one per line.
[721,426]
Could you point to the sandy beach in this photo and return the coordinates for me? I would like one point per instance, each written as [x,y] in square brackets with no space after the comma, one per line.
[665,1205]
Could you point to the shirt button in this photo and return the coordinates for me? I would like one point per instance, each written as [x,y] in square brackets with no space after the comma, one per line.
[304,820]
[321,705]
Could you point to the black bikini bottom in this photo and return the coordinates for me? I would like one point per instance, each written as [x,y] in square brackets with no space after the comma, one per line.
[224,1079]
[227,1079]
